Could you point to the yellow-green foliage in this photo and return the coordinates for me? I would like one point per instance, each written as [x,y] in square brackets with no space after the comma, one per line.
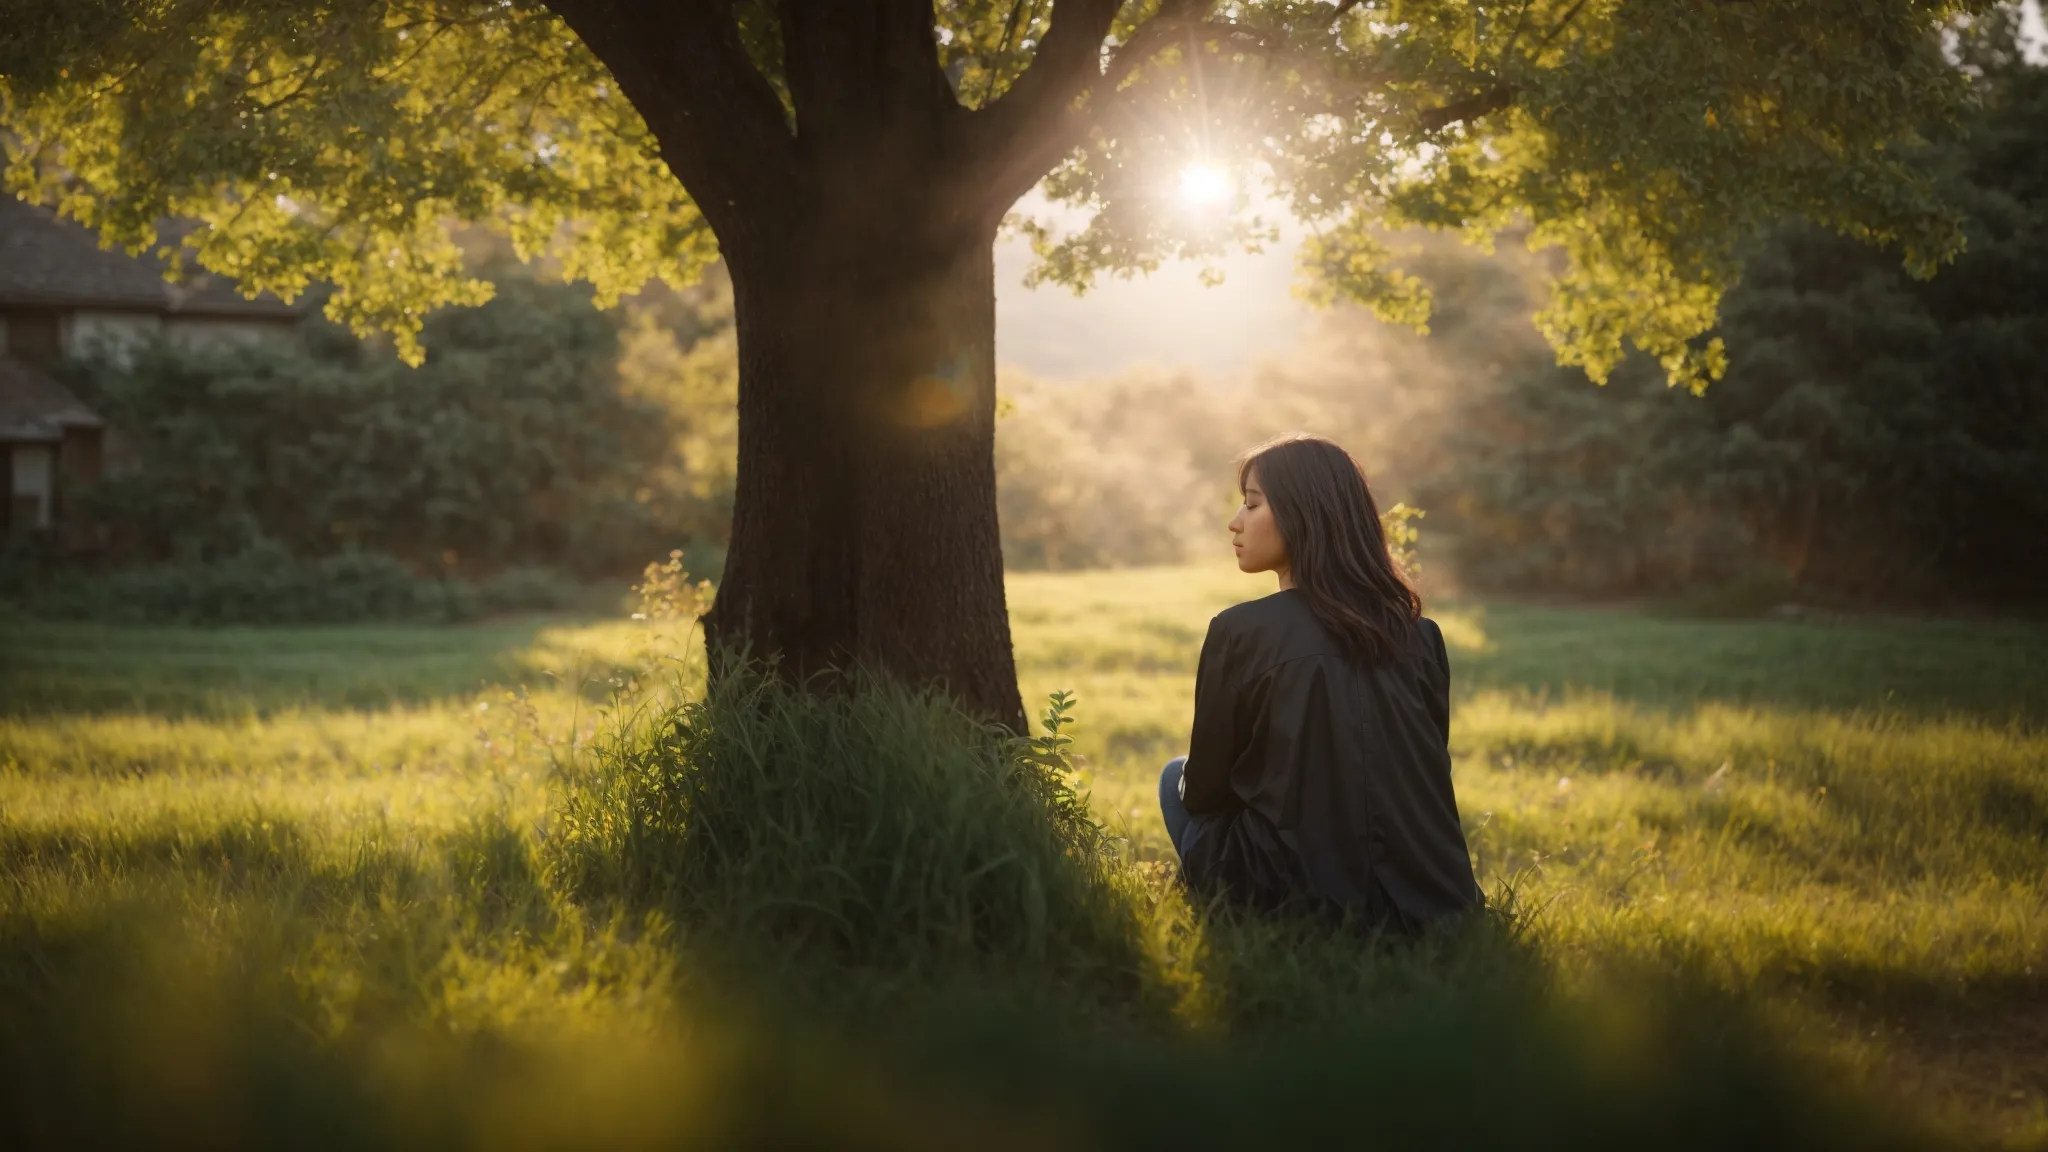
[338,855]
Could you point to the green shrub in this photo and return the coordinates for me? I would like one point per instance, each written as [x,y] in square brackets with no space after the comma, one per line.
[264,584]
[528,589]
[516,443]
[260,585]
[1751,593]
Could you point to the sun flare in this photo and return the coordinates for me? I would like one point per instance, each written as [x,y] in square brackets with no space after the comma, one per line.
[1204,186]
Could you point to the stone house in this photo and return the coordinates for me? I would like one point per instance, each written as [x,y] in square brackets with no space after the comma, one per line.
[61,294]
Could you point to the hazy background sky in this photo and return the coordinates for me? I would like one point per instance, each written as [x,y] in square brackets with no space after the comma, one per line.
[1165,319]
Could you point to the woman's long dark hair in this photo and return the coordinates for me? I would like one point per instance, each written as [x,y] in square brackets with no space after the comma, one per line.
[1337,549]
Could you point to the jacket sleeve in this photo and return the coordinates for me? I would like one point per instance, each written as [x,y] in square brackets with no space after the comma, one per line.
[1212,746]
[1440,686]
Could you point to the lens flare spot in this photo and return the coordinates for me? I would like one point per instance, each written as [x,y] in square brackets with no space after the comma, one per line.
[938,397]
[1205,186]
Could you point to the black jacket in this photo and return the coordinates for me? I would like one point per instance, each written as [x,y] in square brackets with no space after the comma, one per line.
[1312,775]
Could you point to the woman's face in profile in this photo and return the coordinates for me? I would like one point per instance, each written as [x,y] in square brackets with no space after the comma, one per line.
[1255,534]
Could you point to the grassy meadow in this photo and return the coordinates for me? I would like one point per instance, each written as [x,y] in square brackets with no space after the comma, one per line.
[1779,883]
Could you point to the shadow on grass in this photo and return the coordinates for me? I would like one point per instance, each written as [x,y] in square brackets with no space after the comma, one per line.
[1983,1046]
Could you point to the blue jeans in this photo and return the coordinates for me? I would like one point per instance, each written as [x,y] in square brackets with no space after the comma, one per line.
[1170,806]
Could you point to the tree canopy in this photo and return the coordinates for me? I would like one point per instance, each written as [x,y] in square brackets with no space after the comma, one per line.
[336,140]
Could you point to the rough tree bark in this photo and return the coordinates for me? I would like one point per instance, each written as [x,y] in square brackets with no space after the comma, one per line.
[858,223]
[864,529]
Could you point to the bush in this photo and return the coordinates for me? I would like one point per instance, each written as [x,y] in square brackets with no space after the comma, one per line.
[1752,593]
[318,477]
[527,590]
[262,585]
[265,584]
[518,442]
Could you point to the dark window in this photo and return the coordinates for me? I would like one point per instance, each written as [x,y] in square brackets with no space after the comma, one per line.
[34,337]
[80,457]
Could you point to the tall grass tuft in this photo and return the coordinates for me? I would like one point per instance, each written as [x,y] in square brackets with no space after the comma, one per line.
[877,829]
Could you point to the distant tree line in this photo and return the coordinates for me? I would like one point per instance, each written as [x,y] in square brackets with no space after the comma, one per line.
[542,443]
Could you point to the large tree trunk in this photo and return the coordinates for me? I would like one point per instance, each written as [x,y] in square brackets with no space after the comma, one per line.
[856,206]
[864,529]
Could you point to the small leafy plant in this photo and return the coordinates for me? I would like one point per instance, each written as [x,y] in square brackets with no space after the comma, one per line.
[667,593]
[1051,748]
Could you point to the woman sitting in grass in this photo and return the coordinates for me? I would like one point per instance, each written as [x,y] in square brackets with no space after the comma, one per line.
[1319,772]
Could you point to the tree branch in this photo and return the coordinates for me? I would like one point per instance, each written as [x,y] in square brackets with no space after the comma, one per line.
[988,84]
[1251,43]
[1035,123]
[720,124]
[1174,19]
[864,75]
[1068,60]
[1558,28]
[1470,108]
[1515,37]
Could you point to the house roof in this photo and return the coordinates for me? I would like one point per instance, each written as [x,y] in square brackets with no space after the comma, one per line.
[48,260]
[35,408]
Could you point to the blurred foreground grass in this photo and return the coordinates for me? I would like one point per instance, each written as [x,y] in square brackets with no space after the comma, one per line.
[1770,881]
